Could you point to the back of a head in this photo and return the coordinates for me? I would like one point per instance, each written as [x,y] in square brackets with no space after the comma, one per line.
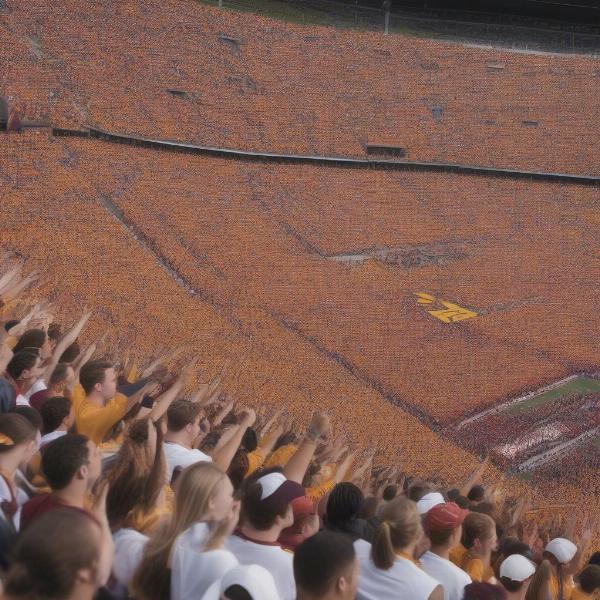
[32,415]
[589,579]
[321,560]
[595,559]
[34,338]
[254,512]
[59,375]
[47,563]
[476,493]
[195,486]
[21,361]
[390,492]
[14,430]
[63,457]
[93,372]
[477,526]
[344,503]
[54,411]
[181,413]
[400,527]
[484,591]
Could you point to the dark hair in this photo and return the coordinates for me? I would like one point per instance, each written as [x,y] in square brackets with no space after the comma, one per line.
[476,493]
[20,362]
[289,437]
[249,440]
[453,494]
[595,559]
[44,565]
[238,468]
[34,338]
[344,504]
[510,584]
[181,413]
[510,545]
[438,538]
[254,511]
[70,354]
[63,457]
[17,428]
[59,374]
[237,592]
[484,591]
[54,332]
[93,372]
[10,324]
[389,492]
[462,501]
[54,411]
[589,579]
[32,415]
[320,560]
[417,491]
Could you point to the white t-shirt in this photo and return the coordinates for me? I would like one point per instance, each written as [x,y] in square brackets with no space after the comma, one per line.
[272,557]
[21,400]
[50,437]
[179,456]
[129,549]
[38,386]
[403,580]
[21,498]
[192,570]
[452,578]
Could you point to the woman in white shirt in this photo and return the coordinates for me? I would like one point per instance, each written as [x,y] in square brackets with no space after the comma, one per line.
[189,547]
[388,569]
[17,446]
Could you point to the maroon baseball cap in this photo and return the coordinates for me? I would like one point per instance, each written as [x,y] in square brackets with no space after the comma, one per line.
[445,517]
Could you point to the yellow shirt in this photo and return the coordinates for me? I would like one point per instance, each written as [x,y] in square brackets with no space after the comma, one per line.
[77,397]
[96,421]
[317,492]
[281,456]
[567,587]
[457,555]
[578,594]
[475,569]
[255,460]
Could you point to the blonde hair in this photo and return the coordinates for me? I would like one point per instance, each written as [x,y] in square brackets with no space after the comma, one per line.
[194,489]
[400,527]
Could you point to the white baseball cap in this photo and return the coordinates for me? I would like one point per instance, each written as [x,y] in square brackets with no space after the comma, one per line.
[517,568]
[256,580]
[564,550]
[428,501]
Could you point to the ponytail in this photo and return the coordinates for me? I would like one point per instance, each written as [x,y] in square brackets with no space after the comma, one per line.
[382,551]
[400,527]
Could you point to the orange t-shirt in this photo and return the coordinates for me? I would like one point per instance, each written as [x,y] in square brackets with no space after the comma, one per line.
[457,555]
[476,570]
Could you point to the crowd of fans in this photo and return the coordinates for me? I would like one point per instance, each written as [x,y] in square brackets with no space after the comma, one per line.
[120,480]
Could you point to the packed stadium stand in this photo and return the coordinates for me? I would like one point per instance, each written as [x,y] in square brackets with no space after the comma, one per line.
[315,279]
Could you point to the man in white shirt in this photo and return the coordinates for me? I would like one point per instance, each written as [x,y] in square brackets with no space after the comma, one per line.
[184,432]
[267,511]
[58,417]
[183,429]
[443,525]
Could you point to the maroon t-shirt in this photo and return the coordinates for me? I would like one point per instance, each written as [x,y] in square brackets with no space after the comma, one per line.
[37,400]
[40,505]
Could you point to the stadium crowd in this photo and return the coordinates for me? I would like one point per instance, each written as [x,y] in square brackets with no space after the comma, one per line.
[124,480]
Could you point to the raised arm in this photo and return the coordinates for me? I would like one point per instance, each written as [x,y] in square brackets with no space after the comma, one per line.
[64,343]
[224,455]
[296,467]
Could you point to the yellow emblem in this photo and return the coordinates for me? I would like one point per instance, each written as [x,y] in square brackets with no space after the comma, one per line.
[450,313]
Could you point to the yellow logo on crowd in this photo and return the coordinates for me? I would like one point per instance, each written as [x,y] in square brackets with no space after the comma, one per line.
[450,313]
